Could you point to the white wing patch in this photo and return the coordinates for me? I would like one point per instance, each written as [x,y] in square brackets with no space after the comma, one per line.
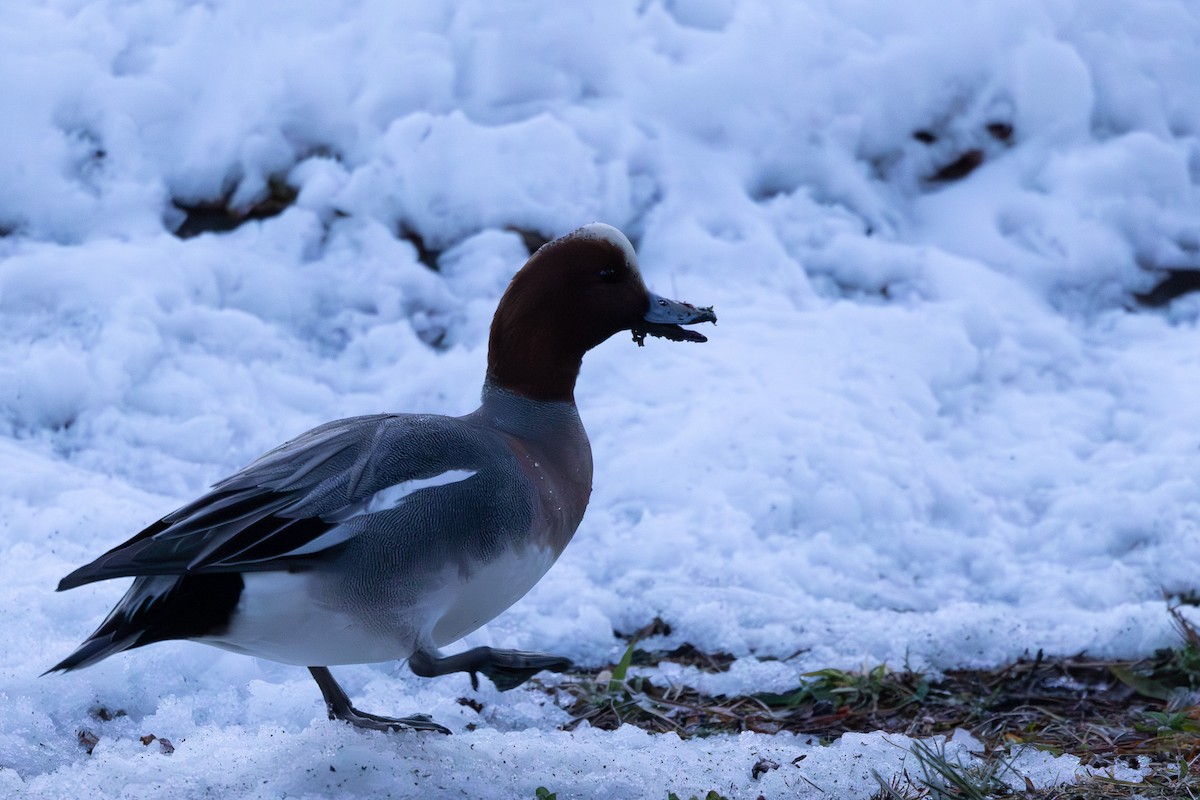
[383,500]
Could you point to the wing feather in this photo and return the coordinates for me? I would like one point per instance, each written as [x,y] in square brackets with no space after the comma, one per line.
[292,503]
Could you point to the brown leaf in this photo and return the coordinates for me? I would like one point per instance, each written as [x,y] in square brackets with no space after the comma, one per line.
[87,740]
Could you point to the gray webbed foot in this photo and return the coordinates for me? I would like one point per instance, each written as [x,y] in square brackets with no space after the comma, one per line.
[340,708]
[361,719]
[510,668]
[507,669]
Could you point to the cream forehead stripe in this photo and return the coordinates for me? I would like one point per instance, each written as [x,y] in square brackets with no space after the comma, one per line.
[606,233]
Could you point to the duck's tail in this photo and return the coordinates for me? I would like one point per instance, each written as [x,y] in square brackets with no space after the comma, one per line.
[157,608]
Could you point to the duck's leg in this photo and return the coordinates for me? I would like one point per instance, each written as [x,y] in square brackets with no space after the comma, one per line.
[338,703]
[506,668]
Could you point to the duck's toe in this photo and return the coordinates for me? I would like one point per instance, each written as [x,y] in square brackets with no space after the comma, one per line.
[337,702]
[508,669]
[374,722]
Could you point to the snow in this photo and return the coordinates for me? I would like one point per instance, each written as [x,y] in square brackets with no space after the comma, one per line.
[931,428]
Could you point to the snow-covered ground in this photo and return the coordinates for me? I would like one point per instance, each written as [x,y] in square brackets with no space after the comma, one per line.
[932,427]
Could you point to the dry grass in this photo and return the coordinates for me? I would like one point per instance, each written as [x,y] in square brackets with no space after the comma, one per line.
[1104,712]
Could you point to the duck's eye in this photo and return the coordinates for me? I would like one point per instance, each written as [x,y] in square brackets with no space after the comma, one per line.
[608,275]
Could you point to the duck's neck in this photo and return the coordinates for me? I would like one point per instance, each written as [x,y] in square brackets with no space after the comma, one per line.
[539,367]
[512,412]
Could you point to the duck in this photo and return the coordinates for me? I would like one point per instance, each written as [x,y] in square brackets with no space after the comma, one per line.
[389,536]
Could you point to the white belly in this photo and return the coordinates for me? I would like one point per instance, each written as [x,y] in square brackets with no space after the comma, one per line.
[281,616]
[465,605]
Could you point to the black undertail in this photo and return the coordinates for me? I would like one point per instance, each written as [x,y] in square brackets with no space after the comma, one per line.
[158,608]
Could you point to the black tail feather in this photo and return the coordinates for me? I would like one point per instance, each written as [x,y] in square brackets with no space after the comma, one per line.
[157,608]
[98,647]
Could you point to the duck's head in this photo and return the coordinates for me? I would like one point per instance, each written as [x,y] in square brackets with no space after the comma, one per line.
[571,295]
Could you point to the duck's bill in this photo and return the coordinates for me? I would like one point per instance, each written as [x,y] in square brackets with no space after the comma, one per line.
[664,318]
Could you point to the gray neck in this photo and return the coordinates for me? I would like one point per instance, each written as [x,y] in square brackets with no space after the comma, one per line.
[548,421]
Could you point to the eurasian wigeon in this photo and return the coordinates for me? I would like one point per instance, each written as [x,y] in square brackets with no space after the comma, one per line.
[388,536]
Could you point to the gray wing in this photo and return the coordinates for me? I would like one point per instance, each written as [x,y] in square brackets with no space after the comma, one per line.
[301,498]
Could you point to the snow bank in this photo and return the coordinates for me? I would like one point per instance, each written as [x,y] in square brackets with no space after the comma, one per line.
[929,428]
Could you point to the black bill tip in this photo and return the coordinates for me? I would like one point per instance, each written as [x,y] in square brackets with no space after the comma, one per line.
[664,318]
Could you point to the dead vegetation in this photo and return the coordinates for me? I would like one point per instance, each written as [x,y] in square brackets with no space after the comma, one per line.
[1142,713]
